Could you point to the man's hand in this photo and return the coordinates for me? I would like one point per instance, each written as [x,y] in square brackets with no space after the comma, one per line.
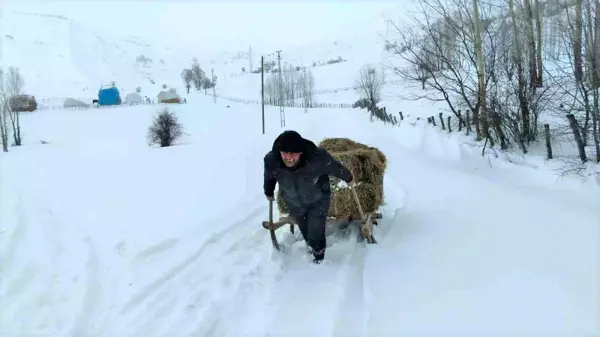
[270,198]
[351,183]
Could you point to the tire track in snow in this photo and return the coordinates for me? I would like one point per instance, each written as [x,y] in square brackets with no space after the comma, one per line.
[217,290]
[214,239]
[90,298]
[351,319]
[307,298]
[239,284]
[13,285]
[14,239]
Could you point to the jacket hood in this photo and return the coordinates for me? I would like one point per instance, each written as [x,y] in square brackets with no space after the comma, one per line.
[308,149]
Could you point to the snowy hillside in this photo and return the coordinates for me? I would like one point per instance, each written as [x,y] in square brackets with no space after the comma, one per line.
[349,55]
[102,235]
[62,57]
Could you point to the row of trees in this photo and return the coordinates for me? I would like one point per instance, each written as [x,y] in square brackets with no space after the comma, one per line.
[294,84]
[11,86]
[508,62]
[196,76]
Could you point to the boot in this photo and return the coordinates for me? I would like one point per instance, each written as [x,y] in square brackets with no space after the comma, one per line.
[318,256]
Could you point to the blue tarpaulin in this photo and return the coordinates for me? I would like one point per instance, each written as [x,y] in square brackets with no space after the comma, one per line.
[109,96]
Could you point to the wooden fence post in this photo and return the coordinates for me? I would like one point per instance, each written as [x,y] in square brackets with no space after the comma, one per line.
[578,139]
[548,144]
[442,121]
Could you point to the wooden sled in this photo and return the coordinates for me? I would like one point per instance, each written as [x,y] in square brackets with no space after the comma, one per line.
[366,223]
[366,226]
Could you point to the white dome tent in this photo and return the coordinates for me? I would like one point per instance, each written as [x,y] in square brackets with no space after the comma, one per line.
[133,98]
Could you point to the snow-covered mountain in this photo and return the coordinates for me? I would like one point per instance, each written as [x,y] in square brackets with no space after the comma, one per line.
[61,57]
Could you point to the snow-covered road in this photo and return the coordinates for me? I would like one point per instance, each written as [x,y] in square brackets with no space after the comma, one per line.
[106,237]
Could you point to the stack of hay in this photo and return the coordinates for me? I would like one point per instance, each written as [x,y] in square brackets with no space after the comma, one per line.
[367,165]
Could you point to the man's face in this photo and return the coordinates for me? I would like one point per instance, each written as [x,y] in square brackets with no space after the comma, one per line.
[290,158]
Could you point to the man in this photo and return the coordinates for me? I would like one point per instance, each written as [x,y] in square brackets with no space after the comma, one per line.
[302,170]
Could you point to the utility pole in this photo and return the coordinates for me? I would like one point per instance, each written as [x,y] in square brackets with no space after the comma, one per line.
[262,90]
[212,71]
[281,110]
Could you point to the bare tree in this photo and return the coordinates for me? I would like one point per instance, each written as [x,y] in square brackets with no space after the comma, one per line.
[3,113]
[198,74]
[471,55]
[165,129]
[440,40]
[369,84]
[595,73]
[531,49]
[524,92]
[508,63]
[207,83]
[481,84]
[15,85]
[307,83]
[575,73]
[187,76]
[295,84]
[539,30]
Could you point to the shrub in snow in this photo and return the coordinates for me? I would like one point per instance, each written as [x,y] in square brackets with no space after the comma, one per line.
[165,129]
[362,103]
[143,60]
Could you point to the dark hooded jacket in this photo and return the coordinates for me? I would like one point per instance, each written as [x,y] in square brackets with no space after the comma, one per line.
[308,181]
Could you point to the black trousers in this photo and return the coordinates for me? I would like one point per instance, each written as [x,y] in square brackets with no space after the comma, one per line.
[311,221]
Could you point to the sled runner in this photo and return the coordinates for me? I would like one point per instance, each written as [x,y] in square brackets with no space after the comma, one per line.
[366,222]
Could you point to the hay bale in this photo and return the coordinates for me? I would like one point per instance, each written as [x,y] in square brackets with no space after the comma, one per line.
[343,204]
[22,103]
[367,164]
[169,96]
[281,206]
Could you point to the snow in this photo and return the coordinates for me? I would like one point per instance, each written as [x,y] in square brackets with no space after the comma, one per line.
[102,235]
[78,60]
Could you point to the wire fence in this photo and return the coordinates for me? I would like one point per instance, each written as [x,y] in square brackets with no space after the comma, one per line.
[312,105]
[69,103]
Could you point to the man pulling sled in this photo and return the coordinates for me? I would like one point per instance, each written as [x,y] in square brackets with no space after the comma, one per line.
[302,170]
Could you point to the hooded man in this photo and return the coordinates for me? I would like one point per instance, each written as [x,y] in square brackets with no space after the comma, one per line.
[302,170]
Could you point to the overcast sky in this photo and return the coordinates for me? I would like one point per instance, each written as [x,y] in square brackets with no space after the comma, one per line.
[224,25]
